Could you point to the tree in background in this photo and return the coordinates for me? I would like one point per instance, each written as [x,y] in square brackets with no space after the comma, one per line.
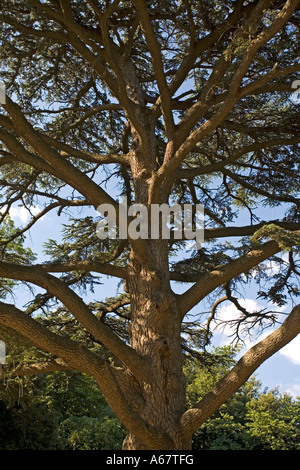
[165,102]
[60,411]
[66,411]
[252,419]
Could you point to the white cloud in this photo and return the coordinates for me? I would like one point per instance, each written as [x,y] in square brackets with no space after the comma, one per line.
[224,326]
[226,314]
[293,389]
[271,267]
[21,214]
[292,351]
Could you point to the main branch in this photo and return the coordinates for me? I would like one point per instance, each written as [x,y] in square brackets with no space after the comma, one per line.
[81,312]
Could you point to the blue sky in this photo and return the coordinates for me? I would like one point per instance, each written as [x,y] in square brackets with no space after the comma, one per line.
[282,370]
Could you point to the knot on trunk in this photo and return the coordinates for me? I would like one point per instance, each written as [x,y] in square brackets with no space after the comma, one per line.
[163,347]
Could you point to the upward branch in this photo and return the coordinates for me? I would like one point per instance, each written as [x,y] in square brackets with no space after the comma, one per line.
[71,175]
[154,48]
[238,375]
[81,312]
[78,357]
[73,353]
[191,137]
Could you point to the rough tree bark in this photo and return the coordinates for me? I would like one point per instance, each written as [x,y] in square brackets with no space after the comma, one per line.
[155,332]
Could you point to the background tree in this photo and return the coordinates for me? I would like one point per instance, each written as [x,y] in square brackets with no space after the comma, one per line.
[252,419]
[174,101]
[58,411]
[66,411]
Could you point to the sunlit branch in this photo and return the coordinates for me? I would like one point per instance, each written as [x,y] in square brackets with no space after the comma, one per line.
[79,309]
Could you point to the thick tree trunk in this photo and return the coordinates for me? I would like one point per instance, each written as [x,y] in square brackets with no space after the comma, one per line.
[155,333]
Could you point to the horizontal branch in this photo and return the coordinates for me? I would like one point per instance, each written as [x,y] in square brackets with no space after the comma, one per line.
[246,230]
[227,232]
[248,90]
[219,166]
[89,266]
[243,181]
[89,157]
[238,375]
[92,112]
[44,367]
[209,282]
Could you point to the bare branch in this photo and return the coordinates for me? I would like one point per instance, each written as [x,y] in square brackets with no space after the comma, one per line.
[219,166]
[244,231]
[66,149]
[103,268]
[240,180]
